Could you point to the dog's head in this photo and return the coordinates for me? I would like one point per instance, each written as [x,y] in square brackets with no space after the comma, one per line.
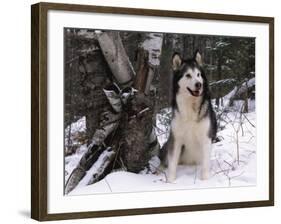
[189,77]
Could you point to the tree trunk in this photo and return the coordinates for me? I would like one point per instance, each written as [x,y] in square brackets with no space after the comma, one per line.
[142,70]
[246,96]
[219,75]
[116,57]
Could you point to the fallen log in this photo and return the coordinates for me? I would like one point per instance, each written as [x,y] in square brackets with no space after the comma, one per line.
[109,122]
[101,165]
[238,92]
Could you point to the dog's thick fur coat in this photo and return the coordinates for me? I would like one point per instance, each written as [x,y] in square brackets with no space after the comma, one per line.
[193,125]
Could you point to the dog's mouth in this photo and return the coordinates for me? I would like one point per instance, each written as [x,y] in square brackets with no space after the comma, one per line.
[195,93]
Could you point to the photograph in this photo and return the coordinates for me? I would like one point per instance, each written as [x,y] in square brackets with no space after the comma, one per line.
[144,111]
[152,111]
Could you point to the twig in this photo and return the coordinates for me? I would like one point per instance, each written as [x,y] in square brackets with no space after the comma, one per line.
[108,184]
[238,175]
[160,130]
[229,164]
[221,171]
[253,152]
[116,155]
[249,121]
[122,163]
[195,176]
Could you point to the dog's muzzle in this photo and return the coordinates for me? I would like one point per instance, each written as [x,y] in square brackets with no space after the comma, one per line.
[195,93]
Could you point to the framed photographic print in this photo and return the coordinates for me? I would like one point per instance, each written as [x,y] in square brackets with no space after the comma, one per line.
[138,111]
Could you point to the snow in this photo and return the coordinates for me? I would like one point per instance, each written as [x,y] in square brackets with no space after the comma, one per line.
[218,45]
[162,129]
[221,44]
[72,161]
[77,127]
[86,33]
[237,133]
[98,166]
[223,82]
[71,133]
[246,84]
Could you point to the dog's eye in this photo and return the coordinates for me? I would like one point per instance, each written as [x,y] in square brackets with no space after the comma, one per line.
[188,76]
[198,74]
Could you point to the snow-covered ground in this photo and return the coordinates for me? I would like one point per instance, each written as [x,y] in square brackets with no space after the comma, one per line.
[238,137]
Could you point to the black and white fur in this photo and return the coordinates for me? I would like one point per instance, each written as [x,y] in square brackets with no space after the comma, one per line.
[193,125]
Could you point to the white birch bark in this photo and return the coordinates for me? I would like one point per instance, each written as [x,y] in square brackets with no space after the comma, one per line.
[100,165]
[153,45]
[116,57]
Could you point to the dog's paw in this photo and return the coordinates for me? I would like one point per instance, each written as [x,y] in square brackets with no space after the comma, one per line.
[160,170]
[204,175]
[161,180]
[171,179]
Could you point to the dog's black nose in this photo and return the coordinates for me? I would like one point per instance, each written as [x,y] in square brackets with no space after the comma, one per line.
[198,85]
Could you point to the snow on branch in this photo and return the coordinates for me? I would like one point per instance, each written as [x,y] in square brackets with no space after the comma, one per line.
[238,91]
[98,169]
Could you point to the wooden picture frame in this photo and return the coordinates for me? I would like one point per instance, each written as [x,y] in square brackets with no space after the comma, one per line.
[39,110]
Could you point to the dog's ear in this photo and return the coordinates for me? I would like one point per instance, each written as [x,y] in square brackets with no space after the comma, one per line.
[176,61]
[197,57]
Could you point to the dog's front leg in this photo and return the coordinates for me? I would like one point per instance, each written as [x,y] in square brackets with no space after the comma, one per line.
[205,163]
[173,159]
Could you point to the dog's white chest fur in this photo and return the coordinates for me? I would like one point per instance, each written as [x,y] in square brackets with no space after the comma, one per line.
[190,131]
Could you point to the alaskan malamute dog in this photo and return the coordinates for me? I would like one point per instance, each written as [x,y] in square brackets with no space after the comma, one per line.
[193,125]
